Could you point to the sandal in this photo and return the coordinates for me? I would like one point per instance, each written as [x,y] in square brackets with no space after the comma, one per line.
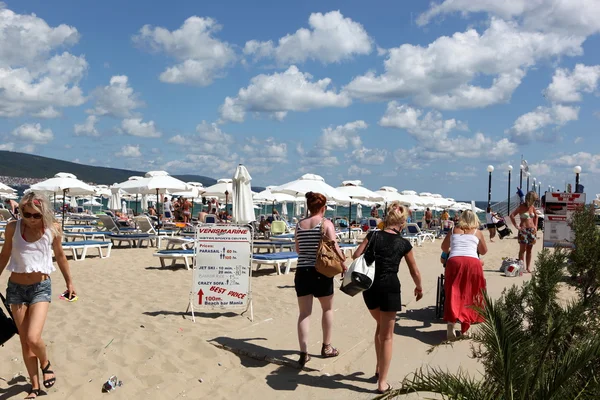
[329,351]
[48,383]
[33,394]
[384,391]
[304,358]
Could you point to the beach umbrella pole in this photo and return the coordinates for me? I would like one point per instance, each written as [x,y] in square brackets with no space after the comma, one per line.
[63,209]
[136,203]
[159,222]
[349,219]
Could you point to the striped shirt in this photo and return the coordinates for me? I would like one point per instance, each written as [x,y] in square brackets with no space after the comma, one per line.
[308,243]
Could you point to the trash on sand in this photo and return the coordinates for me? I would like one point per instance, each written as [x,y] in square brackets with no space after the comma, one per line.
[111,384]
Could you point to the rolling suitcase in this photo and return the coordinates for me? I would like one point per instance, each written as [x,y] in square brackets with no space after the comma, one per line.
[440,297]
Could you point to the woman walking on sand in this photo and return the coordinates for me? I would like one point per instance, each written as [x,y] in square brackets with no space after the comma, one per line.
[527,227]
[28,245]
[464,281]
[383,297]
[308,282]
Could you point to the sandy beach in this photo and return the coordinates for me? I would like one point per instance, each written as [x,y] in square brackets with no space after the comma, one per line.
[131,321]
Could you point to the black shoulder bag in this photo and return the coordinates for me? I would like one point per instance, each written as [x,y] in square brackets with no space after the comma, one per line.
[8,329]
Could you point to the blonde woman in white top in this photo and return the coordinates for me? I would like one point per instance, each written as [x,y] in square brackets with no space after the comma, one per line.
[28,246]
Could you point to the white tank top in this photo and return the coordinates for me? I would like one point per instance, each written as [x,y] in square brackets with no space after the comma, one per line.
[28,257]
[463,245]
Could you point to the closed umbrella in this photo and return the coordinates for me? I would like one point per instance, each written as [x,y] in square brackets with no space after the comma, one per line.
[63,183]
[73,202]
[114,202]
[243,207]
[359,212]
[284,211]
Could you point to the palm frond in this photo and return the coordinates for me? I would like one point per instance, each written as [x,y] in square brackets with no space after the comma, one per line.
[454,386]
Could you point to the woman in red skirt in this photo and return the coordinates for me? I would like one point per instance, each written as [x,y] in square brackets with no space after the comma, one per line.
[464,283]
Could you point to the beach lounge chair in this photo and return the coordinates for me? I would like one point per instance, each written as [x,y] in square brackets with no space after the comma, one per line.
[84,246]
[210,219]
[276,259]
[372,222]
[271,246]
[84,236]
[6,215]
[278,228]
[145,225]
[111,226]
[286,237]
[414,230]
[186,255]
[133,239]
[348,249]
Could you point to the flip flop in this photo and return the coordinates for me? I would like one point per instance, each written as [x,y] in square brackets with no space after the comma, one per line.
[386,390]
[333,352]
[35,392]
[304,358]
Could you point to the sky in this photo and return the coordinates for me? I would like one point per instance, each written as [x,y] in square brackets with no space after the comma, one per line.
[410,94]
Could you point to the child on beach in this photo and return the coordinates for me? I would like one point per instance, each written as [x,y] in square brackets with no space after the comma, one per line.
[383,297]
[28,245]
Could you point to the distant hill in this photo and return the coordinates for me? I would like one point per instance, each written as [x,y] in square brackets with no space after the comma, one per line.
[23,165]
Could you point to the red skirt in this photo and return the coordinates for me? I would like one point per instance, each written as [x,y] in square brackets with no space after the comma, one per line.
[464,285]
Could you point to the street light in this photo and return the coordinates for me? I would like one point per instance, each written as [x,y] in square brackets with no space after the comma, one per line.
[510,167]
[226,201]
[490,169]
[528,174]
[577,170]
[521,167]
[540,192]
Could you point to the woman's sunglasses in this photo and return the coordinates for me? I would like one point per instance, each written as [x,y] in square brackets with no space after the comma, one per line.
[30,215]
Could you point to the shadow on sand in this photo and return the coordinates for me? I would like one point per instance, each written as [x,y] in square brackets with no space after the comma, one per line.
[289,375]
[16,389]
[427,319]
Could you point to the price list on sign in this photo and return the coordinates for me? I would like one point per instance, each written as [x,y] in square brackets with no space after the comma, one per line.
[558,211]
[222,267]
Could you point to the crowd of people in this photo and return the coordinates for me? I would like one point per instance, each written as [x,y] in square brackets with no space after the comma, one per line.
[464,282]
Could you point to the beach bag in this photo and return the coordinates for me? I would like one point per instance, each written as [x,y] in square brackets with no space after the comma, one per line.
[506,261]
[513,269]
[328,262]
[361,272]
[7,325]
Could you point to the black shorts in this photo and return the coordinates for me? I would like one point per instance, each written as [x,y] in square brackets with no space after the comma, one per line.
[384,294]
[309,282]
[491,226]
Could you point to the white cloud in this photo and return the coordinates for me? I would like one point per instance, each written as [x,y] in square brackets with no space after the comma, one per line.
[291,90]
[47,113]
[342,136]
[88,128]
[331,38]
[135,127]
[529,126]
[578,140]
[32,79]
[116,100]
[540,169]
[7,146]
[432,133]
[33,133]
[192,163]
[212,133]
[209,139]
[441,75]
[567,86]
[130,151]
[264,156]
[572,17]
[355,170]
[367,156]
[590,162]
[202,57]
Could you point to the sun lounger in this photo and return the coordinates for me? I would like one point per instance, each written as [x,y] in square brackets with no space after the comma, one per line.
[79,228]
[288,237]
[414,230]
[134,240]
[276,259]
[84,246]
[111,226]
[173,241]
[84,236]
[174,255]
[271,246]
[348,248]
[145,225]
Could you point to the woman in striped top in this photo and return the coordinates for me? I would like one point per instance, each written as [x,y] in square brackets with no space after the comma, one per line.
[308,282]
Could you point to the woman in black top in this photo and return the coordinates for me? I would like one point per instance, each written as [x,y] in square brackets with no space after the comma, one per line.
[383,298]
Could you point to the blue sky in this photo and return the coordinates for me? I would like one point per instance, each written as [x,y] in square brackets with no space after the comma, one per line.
[407,94]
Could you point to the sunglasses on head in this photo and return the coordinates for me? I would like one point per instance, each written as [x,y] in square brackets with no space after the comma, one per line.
[30,215]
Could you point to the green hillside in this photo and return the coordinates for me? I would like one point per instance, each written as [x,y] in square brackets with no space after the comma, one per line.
[23,165]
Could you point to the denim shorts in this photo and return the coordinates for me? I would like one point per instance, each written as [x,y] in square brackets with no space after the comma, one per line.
[29,294]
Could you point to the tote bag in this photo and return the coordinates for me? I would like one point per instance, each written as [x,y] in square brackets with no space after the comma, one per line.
[361,273]
[7,325]
[328,262]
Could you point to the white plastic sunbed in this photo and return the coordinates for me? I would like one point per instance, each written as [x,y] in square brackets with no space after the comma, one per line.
[84,246]
[276,259]
[174,255]
[134,240]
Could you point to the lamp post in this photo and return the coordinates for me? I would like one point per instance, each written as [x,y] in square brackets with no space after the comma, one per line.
[533,186]
[528,174]
[577,170]
[510,167]
[490,169]
[521,176]
[540,192]
[226,201]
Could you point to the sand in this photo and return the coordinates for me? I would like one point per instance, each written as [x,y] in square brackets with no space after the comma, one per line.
[130,321]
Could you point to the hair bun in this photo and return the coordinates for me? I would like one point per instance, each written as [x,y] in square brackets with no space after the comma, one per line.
[308,195]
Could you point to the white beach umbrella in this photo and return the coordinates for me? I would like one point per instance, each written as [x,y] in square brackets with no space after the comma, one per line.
[388,193]
[356,191]
[93,203]
[311,183]
[5,189]
[144,202]
[73,202]
[243,208]
[411,197]
[63,183]
[359,212]
[218,189]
